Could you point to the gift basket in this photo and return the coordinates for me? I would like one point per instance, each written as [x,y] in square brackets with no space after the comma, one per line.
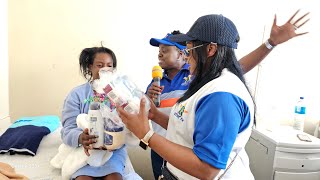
[112,89]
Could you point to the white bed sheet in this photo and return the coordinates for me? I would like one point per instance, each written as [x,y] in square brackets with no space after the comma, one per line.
[38,167]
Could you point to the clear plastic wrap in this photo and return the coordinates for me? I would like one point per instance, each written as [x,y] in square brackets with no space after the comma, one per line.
[110,90]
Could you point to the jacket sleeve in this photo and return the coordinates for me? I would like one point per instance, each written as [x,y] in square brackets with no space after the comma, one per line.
[71,109]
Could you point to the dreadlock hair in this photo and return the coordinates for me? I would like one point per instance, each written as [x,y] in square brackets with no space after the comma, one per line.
[87,57]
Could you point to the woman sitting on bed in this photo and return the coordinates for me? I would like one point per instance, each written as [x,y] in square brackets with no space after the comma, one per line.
[91,61]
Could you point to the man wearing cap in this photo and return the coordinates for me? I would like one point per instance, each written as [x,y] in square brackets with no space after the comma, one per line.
[175,81]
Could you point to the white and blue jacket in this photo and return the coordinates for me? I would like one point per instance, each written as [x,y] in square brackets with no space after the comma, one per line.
[216,123]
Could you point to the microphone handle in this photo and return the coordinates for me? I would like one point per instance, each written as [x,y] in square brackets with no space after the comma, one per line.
[157,100]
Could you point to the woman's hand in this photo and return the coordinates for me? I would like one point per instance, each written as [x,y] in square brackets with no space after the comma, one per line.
[154,90]
[138,124]
[281,34]
[153,110]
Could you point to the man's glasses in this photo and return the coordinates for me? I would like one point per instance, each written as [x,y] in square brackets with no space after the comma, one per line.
[187,51]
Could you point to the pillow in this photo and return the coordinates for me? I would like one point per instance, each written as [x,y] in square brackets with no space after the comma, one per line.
[25,135]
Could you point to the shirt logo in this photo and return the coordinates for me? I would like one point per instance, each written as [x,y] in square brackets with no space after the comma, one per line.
[180,113]
[187,80]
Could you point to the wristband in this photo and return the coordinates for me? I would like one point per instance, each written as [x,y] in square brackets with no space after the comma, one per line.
[144,142]
[268,45]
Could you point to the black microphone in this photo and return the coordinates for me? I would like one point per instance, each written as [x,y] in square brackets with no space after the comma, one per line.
[157,76]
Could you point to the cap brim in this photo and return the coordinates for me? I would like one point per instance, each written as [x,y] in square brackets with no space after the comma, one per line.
[157,42]
[181,38]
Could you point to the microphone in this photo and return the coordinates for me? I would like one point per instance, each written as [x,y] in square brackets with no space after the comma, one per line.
[157,76]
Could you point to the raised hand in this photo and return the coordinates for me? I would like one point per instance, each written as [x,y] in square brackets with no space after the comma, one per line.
[281,34]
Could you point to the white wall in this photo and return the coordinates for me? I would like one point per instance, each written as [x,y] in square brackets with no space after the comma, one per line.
[4,85]
[46,37]
[291,71]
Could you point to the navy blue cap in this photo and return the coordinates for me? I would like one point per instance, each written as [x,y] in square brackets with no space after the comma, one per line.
[211,28]
[166,41]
